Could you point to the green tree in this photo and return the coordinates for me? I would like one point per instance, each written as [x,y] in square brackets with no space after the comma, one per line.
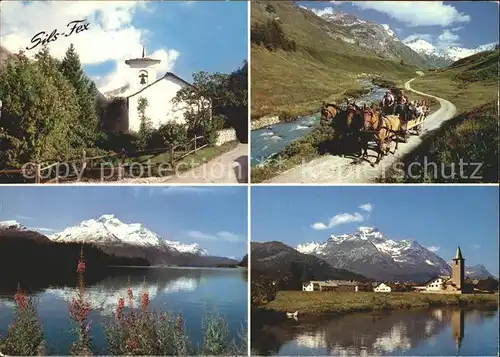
[88,120]
[227,94]
[146,127]
[40,107]
[173,133]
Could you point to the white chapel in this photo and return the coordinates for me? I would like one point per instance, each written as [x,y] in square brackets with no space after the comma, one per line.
[142,82]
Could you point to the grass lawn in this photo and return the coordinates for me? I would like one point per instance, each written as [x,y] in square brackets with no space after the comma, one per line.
[347,302]
[185,164]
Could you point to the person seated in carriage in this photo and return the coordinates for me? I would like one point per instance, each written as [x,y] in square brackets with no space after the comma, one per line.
[419,109]
[401,105]
[388,102]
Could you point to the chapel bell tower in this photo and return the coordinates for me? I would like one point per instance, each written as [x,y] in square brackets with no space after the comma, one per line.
[458,270]
[143,71]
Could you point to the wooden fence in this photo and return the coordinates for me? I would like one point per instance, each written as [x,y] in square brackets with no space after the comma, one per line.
[89,166]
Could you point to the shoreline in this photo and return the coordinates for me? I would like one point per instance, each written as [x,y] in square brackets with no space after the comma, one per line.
[342,303]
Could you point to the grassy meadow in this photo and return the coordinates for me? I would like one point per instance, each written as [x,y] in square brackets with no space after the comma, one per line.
[472,135]
[347,302]
[322,68]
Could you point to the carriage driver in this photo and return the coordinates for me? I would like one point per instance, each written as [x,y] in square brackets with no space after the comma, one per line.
[388,102]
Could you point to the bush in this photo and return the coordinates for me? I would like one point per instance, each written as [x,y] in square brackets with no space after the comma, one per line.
[270,9]
[173,134]
[263,290]
[25,335]
[271,36]
[116,141]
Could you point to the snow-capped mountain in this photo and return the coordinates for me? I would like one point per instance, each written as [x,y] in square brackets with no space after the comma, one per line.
[15,230]
[446,55]
[12,225]
[369,252]
[382,40]
[123,240]
[477,271]
[109,230]
[370,36]
[343,19]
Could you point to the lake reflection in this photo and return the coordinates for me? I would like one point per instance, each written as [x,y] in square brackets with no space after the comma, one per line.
[189,290]
[408,332]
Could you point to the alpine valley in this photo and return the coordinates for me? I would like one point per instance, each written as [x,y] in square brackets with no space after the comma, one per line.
[368,252]
[120,239]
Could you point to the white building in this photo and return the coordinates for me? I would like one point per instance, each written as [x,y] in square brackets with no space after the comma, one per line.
[382,288]
[437,283]
[330,285]
[142,82]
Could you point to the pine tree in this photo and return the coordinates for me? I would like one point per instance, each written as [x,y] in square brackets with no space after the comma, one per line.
[88,120]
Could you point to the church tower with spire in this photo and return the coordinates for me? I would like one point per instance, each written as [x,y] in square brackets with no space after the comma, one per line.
[458,270]
[143,71]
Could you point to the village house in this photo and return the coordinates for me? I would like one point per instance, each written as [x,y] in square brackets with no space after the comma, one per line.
[382,288]
[332,285]
[453,284]
[142,82]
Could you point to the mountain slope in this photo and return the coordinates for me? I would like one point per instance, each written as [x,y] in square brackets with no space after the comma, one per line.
[278,261]
[477,271]
[367,251]
[376,38]
[323,67]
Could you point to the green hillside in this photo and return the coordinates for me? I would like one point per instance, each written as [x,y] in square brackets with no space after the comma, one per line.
[468,82]
[319,67]
[472,136]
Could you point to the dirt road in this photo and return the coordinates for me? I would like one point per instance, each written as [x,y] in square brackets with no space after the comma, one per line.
[336,169]
[230,167]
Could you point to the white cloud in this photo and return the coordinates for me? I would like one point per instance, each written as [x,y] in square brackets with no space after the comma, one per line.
[475,246]
[219,236]
[413,13]
[110,37]
[319,226]
[43,229]
[342,218]
[321,12]
[23,217]
[433,248]
[447,39]
[368,207]
[419,36]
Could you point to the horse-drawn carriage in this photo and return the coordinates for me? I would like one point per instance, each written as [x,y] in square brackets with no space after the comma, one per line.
[353,123]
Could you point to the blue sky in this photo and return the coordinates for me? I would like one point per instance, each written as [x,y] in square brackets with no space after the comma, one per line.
[440,217]
[442,23]
[214,217]
[187,36]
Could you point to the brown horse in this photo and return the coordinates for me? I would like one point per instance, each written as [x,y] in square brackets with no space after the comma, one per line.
[329,111]
[383,129]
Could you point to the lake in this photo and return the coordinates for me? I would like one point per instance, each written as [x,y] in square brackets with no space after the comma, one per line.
[414,332]
[266,142]
[190,290]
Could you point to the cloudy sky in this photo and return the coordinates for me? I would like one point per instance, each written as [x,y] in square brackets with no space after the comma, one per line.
[438,217]
[214,217]
[187,36]
[442,23]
